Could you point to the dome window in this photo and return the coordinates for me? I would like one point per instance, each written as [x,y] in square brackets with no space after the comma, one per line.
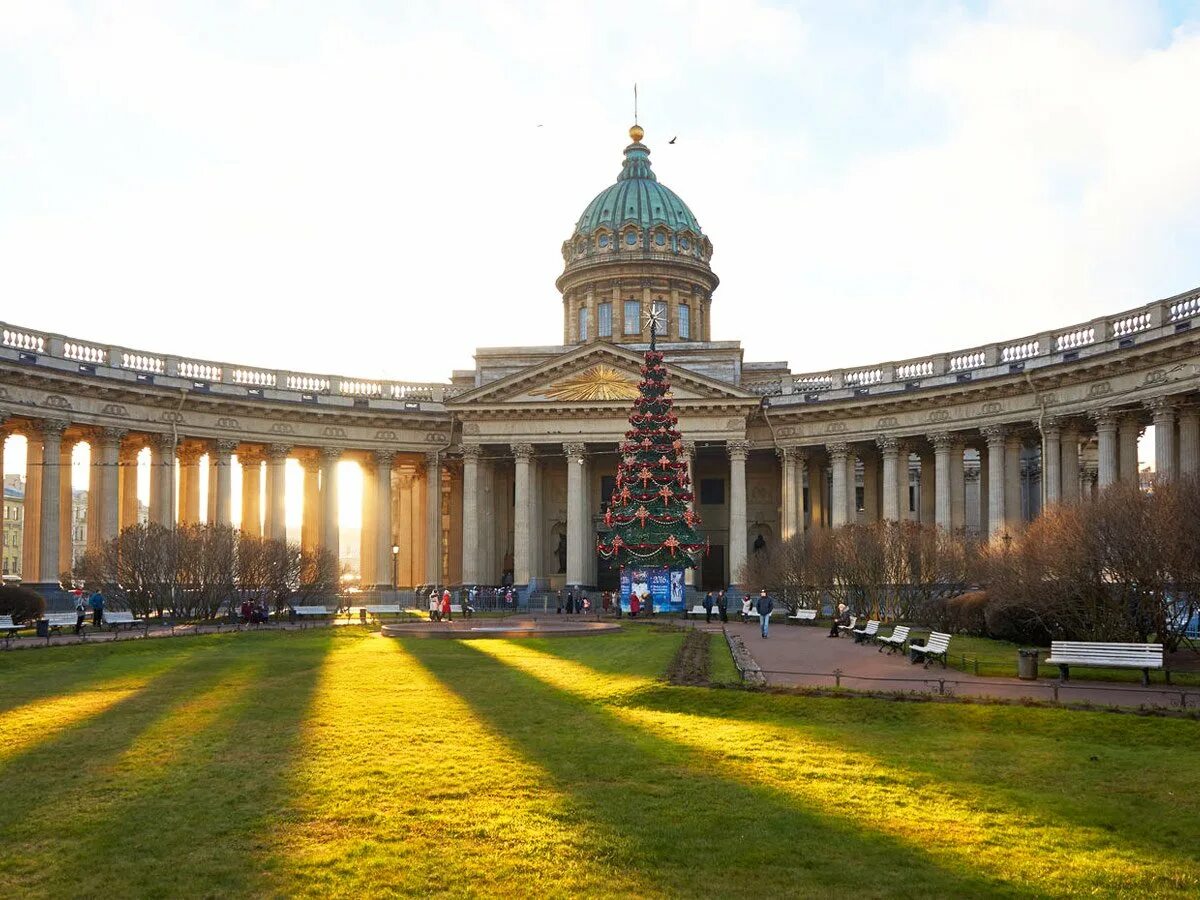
[631,238]
[603,241]
[660,239]
[684,244]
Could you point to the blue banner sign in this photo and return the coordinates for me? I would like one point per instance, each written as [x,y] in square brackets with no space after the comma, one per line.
[663,584]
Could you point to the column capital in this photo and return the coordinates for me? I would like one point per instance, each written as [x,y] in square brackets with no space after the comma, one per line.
[1090,474]
[189,454]
[1104,419]
[54,427]
[787,454]
[838,450]
[225,448]
[113,434]
[331,454]
[276,452]
[888,445]
[1162,408]
[165,442]
[942,441]
[994,434]
[1051,427]
[689,448]
[575,450]
[433,459]
[385,458]
[470,451]
[1189,411]
[523,452]
[737,449]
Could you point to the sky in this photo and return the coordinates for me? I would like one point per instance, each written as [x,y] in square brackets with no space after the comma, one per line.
[375,189]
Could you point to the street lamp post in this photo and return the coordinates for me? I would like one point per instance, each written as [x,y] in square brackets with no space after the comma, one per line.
[395,566]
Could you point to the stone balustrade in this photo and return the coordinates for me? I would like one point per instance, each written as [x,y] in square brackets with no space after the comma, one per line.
[1105,335]
[82,357]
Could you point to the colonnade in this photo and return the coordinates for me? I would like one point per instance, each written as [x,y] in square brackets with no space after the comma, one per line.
[396,512]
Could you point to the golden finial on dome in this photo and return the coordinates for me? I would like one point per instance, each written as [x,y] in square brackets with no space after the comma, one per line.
[636,133]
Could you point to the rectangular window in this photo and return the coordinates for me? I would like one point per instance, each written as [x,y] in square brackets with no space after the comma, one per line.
[859,494]
[633,317]
[604,320]
[685,323]
[608,484]
[712,491]
[583,323]
[659,308]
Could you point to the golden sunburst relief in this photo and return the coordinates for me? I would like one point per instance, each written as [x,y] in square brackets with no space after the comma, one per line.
[597,383]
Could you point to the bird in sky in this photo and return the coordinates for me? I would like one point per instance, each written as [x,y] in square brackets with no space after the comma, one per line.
[672,140]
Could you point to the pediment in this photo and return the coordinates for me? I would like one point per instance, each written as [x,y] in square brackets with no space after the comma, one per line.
[596,374]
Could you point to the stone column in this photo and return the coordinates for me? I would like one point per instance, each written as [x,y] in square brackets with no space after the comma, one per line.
[310,521]
[903,481]
[1069,448]
[522,514]
[889,449]
[470,539]
[251,463]
[385,564]
[1189,441]
[93,494]
[576,526]
[1127,436]
[367,524]
[838,504]
[127,486]
[943,447]
[66,507]
[1163,411]
[802,463]
[1051,463]
[958,487]
[927,501]
[330,532]
[1106,439]
[223,476]
[816,481]
[433,517]
[52,481]
[738,451]
[996,437]
[787,493]
[162,480]
[109,519]
[31,534]
[277,456]
[1012,483]
[189,484]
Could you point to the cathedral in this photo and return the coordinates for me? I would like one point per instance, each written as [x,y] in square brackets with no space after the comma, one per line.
[500,475]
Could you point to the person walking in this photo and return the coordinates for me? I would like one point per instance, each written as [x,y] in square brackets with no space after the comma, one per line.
[435,609]
[96,602]
[746,609]
[80,614]
[765,605]
[708,607]
[721,608]
[446,604]
[634,602]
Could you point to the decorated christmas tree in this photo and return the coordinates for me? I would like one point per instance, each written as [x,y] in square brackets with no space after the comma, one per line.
[652,527]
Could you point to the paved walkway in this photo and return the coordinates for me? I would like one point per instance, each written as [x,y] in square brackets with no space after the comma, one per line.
[805,655]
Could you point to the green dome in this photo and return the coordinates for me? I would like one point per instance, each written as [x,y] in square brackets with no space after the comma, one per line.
[637,213]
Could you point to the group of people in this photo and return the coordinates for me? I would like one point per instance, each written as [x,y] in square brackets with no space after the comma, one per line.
[93,604]
[570,604]
[255,613]
[763,605]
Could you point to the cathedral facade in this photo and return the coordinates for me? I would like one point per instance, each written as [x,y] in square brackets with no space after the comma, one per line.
[501,474]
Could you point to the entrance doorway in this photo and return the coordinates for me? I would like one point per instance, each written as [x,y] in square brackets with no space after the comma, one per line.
[712,569]
[608,573]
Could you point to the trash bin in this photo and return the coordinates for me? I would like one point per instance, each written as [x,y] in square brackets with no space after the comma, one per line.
[43,628]
[1027,664]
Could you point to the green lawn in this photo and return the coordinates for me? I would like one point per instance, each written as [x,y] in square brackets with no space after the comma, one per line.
[336,762]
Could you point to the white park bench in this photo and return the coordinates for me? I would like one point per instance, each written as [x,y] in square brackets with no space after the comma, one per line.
[699,610]
[848,628]
[1065,654]
[59,620]
[311,612]
[803,615]
[118,617]
[456,609]
[894,641]
[934,648]
[7,626]
[862,635]
[383,609]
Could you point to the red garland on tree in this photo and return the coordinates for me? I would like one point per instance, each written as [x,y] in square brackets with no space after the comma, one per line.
[650,518]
